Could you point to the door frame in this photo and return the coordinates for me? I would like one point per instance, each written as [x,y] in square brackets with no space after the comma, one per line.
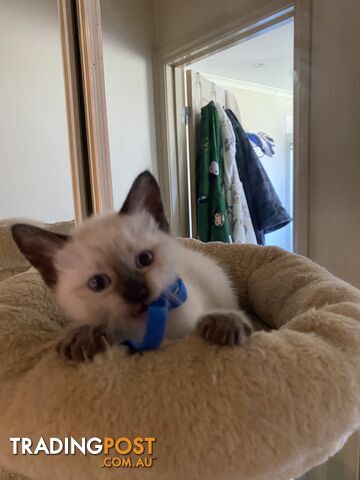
[83,64]
[171,153]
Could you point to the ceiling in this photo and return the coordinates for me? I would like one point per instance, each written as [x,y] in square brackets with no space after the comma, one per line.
[266,59]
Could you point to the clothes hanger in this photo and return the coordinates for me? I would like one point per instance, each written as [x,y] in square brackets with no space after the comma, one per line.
[214,91]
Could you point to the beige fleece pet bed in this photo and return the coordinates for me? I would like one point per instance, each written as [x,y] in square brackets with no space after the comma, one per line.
[270,410]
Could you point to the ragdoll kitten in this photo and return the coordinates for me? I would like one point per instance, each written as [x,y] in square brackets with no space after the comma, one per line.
[106,273]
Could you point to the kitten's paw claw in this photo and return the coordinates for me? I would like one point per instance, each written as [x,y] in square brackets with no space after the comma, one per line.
[84,342]
[225,328]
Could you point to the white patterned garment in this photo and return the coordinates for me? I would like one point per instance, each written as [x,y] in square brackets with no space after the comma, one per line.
[232,103]
[241,227]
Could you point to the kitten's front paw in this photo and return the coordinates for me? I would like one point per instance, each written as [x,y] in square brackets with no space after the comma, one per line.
[225,328]
[83,343]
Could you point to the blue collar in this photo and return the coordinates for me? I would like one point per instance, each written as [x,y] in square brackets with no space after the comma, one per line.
[172,297]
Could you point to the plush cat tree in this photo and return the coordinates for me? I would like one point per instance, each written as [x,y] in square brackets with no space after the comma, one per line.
[270,410]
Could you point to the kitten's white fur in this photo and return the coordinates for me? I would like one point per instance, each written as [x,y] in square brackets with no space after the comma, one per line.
[104,242]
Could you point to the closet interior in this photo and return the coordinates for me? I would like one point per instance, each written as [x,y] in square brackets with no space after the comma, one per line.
[240,141]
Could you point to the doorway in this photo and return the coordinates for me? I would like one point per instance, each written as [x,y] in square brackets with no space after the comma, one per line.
[253,79]
[229,62]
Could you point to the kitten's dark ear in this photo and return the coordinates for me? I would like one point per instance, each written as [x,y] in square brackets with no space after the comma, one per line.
[145,195]
[39,247]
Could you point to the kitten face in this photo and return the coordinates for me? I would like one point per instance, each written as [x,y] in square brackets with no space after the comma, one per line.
[113,266]
[115,247]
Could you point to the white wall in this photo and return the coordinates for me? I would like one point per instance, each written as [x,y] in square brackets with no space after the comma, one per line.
[178,22]
[127,44]
[35,178]
[335,138]
[265,112]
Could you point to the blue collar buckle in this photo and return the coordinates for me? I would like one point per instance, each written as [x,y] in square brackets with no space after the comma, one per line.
[172,297]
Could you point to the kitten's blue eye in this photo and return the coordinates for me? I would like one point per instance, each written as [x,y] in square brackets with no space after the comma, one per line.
[144,259]
[99,282]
